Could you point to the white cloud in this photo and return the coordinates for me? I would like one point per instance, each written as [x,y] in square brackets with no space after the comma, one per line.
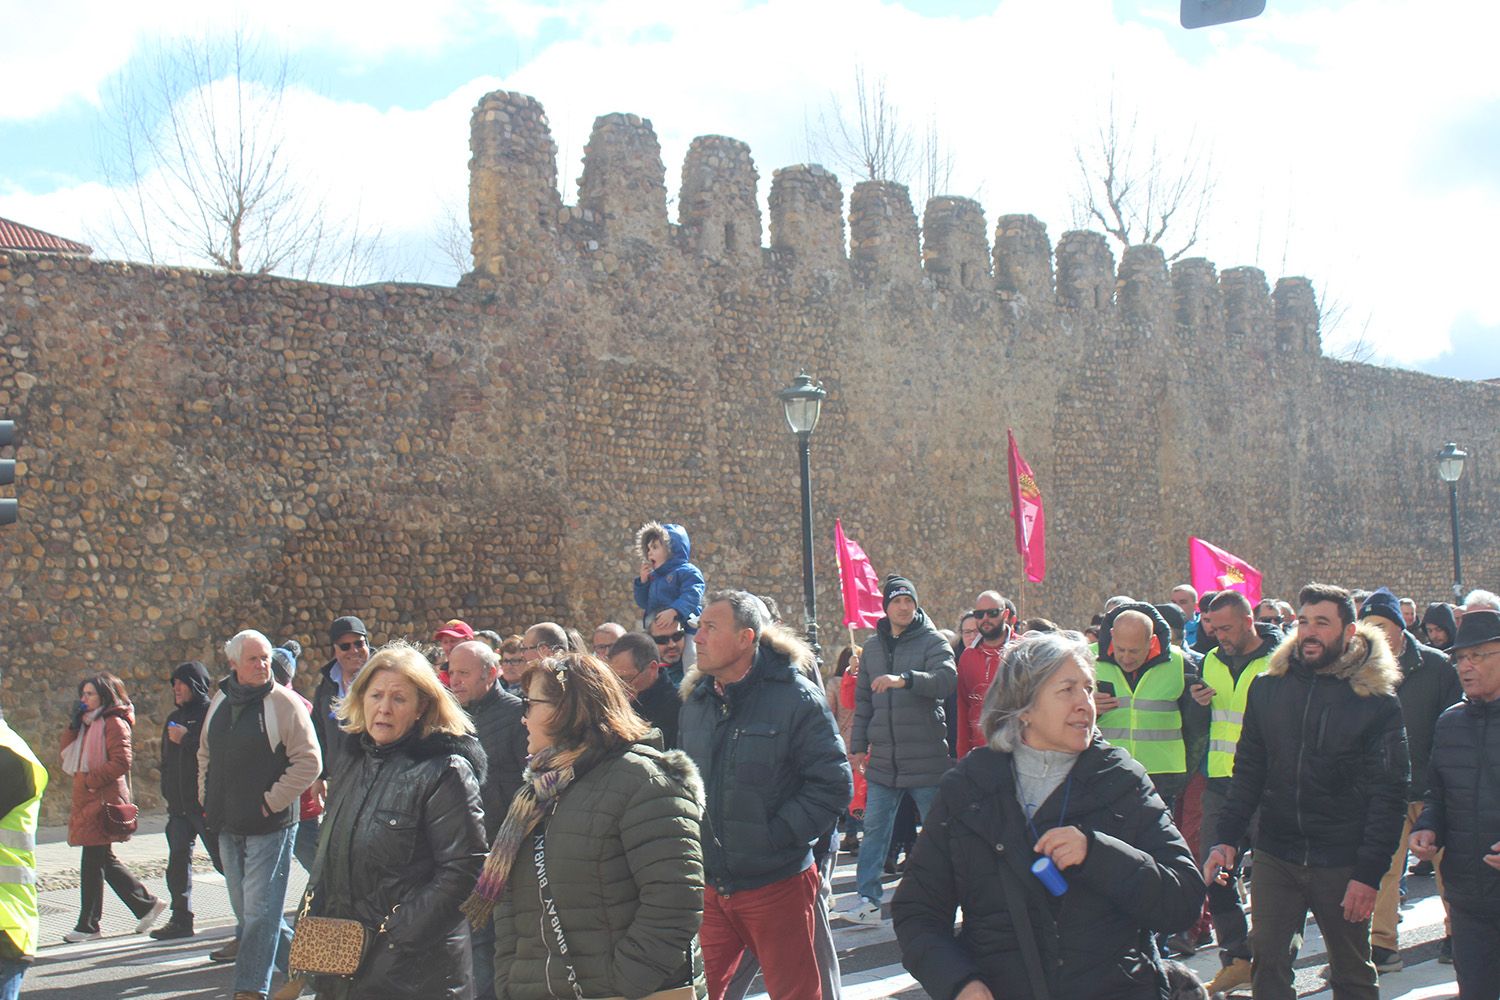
[1317,118]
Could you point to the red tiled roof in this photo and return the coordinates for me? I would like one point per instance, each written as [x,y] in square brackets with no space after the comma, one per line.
[14,236]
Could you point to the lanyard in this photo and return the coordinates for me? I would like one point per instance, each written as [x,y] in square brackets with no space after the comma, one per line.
[1062,815]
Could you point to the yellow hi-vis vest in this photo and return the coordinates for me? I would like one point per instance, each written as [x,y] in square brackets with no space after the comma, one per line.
[1227,710]
[18,913]
[1148,723]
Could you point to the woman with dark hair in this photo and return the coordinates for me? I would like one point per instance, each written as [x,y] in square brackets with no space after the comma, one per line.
[604,835]
[1055,845]
[96,752]
[403,833]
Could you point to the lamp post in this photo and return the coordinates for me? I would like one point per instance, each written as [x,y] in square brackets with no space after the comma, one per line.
[802,401]
[1450,471]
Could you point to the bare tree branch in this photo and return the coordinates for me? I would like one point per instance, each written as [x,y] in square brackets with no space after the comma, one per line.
[1162,202]
[198,152]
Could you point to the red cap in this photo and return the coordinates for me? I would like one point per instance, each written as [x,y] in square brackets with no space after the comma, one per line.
[455,629]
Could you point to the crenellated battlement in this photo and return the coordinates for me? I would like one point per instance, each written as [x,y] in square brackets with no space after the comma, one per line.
[523,232]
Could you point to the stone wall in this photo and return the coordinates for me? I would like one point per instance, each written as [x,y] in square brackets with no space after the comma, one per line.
[204,452]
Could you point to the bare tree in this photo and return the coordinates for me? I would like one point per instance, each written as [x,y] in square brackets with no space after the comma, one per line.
[197,148]
[1156,197]
[1333,313]
[871,142]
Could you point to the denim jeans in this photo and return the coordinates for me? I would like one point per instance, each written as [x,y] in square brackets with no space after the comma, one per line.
[256,868]
[880,817]
[305,847]
[11,971]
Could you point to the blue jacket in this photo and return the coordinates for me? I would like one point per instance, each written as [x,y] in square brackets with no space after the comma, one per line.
[774,769]
[676,583]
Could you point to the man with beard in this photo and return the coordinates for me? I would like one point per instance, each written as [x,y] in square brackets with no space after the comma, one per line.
[977,665]
[1323,757]
[671,641]
[900,737]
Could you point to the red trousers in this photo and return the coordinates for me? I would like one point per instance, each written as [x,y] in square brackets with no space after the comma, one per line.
[776,923]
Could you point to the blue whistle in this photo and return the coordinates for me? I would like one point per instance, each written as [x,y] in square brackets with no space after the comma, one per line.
[1044,869]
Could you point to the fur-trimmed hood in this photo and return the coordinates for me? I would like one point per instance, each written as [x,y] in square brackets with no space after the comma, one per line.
[681,769]
[673,536]
[781,651]
[1366,663]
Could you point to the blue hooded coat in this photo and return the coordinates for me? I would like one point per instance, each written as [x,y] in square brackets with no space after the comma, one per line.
[676,583]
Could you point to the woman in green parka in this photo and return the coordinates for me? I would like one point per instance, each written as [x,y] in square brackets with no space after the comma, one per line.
[605,834]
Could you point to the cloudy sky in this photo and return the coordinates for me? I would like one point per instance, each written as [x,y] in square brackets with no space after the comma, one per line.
[1357,143]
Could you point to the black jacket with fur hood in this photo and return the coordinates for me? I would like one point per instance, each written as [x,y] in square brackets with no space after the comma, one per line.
[404,825]
[1323,754]
[774,768]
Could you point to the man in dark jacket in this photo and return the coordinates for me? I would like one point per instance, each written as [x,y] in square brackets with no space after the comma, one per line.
[777,779]
[179,789]
[474,678]
[1439,625]
[1323,756]
[900,737]
[351,650]
[633,659]
[1461,815]
[1429,685]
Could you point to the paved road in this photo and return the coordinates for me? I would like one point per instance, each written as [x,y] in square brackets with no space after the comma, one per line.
[123,965]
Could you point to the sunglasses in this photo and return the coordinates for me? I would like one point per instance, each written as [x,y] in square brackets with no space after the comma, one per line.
[679,635]
[987,612]
[527,702]
[355,644]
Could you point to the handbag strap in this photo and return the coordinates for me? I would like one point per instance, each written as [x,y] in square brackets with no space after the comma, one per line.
[1020,917]
[549,908]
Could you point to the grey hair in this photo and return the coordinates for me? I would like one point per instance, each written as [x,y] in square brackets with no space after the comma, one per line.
[1024,669]
[749,611]
[1117,600]
[1480,600]
[236,645]
[488,658]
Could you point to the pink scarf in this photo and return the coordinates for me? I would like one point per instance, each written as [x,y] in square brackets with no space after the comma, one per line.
[86,752]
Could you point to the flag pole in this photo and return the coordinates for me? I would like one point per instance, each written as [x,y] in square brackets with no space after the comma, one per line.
[1021,597]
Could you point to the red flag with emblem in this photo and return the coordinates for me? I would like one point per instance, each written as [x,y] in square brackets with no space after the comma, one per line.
[1214,569]
[1026,508]
[863,607]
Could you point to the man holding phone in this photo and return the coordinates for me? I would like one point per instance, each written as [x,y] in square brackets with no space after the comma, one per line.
[179,788]
[1244,650]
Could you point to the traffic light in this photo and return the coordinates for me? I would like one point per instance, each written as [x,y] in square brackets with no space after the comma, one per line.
[9,508]
[1202,13]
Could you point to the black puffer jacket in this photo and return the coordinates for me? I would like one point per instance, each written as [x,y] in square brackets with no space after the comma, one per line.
[1323,755]
[773,766]
[497,725]
[625,865]
[404,825]
[1463,803]
[975,853]
[905,729]
[1429,686]
[179,761]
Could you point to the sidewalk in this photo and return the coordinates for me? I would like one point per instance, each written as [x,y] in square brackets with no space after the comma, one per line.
[146,855]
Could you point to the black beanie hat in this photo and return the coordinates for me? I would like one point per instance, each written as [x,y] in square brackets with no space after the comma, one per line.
[1385,604]
[897,586]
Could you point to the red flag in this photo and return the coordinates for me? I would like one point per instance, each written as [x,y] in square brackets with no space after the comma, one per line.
[1215,569]
[1026,508]
[863,607]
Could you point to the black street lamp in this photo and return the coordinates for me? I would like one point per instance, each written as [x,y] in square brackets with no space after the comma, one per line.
[803,400]
[1450,471]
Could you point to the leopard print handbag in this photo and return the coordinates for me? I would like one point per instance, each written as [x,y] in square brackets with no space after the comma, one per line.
[330,946]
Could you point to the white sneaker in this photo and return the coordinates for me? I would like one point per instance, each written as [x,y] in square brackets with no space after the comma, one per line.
[157,909]
[73,937]
[866,913]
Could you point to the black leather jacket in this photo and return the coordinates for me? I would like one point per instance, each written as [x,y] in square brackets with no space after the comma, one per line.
[404,826]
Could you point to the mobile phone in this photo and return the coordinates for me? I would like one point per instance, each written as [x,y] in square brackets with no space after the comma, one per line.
[1192,680]
[1106,687]
[175,725]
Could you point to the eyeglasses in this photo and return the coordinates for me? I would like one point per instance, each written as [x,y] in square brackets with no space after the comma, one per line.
[1468,656]
[679,635]
[355,644]
[527,702]
[538,646]
[986,612]
[602,650]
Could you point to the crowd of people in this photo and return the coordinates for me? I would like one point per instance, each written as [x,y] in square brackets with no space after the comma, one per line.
[655,811]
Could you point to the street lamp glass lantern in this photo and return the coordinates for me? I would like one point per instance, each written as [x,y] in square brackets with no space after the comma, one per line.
[802,400]
[1451,463]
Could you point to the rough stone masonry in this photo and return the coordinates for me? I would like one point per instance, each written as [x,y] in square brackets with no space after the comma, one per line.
[203,452]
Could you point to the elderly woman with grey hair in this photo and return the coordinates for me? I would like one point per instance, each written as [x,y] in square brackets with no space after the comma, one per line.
[1054,844]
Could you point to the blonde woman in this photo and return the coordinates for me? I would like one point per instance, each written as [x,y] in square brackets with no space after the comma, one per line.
[403,833]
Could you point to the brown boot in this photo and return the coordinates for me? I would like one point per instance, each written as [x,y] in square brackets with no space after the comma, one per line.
[227,953]
[291,990]
[247,995]
[1236,973]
